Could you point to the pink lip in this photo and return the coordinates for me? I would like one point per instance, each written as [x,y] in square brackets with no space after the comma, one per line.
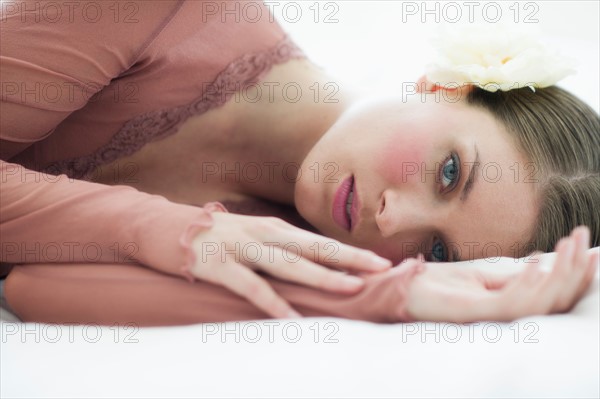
[339,204]
[355,209]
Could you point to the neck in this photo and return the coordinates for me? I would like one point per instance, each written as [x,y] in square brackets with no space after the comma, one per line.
[276,136]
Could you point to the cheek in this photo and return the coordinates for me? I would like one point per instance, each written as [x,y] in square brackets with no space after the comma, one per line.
[401,157]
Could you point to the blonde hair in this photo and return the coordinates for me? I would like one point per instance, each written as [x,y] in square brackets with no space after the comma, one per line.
[561,136]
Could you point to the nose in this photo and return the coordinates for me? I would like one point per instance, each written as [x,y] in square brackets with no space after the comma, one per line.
[403,212]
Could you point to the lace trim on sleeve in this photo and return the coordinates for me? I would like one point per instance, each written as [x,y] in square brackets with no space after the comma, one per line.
[201,223]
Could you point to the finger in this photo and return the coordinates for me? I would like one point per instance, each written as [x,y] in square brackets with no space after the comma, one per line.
[528,278]
[551,287]
[294,268]
[517,296]
[577,270]
[257,291]
[582,238]
[330,252]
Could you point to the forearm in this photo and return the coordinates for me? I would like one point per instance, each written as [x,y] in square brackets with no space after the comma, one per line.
[111,293]
[54,219]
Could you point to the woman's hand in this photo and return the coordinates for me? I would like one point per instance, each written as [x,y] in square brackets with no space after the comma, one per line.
[237,246]
[454,293]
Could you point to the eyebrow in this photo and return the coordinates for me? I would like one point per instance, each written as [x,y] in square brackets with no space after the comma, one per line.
[468,187]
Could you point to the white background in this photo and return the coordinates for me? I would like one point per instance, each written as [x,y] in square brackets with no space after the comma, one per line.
[377,45]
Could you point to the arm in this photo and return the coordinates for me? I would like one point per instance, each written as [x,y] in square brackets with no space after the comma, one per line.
[46,218]
[500,289]
[120,293]
[108,294]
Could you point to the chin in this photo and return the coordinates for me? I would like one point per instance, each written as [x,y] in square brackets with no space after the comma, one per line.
[304,200]
[309,209]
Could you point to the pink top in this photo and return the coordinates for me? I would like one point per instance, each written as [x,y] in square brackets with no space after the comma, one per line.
[80,90]
[84,97]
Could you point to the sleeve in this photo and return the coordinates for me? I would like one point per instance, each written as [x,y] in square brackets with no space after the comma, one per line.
[57,55]
[109,293]
[54,219]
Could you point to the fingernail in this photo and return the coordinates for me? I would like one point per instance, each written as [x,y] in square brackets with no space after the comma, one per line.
[352,282]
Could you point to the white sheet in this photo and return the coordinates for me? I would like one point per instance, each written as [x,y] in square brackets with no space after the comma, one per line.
[543,356]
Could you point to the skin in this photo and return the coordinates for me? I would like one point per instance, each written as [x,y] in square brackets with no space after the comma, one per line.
[375,142]
[385,144]
[396,151]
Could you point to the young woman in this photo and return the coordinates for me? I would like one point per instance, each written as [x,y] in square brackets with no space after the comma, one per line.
[118,136]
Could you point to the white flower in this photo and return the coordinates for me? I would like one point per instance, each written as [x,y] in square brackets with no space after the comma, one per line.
[495,57]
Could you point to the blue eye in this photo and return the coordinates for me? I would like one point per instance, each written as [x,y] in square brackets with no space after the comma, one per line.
[450,171]
[438,252]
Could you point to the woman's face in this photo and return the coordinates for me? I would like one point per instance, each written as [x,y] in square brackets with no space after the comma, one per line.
[428,176]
